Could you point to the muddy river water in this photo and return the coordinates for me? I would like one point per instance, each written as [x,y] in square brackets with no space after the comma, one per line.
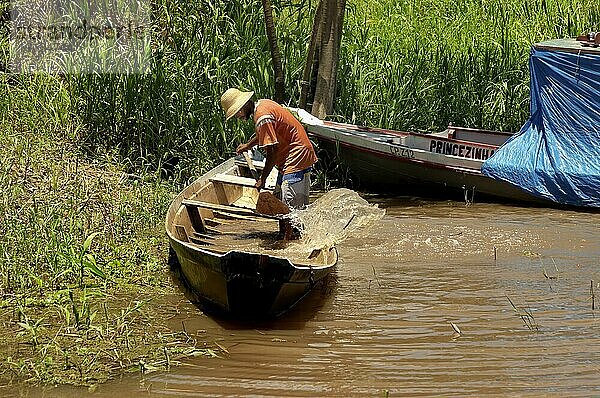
[516,281]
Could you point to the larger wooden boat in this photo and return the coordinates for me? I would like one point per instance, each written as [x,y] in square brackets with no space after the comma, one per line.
[447,163]
[233,257]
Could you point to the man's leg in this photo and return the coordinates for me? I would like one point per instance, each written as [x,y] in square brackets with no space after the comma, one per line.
[296,195]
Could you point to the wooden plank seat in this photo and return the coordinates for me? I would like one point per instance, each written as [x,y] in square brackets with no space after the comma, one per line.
[246,182]
[234,180]
[258,164]
[225,208]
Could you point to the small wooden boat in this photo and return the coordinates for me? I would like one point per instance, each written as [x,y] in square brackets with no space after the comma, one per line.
[234,258]
[447,163]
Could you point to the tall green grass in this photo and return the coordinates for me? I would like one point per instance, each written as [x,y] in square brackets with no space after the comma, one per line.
[172,117]
[82,253]
[423,64]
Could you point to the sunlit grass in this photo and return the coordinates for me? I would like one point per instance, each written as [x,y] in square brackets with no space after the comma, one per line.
[82,250]
[171,117]
[421,65]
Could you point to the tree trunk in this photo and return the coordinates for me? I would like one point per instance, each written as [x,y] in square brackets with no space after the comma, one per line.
[275,53]
[315,39]
[332,24]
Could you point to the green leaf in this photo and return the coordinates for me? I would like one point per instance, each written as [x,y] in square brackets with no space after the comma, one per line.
[90,263]
[25,326]
[88,241]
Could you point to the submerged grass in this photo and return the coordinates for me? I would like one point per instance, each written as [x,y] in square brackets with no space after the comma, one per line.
[89,163]
[526,316]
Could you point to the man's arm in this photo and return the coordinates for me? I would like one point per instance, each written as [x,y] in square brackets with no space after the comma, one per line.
[270,151]
[244,147]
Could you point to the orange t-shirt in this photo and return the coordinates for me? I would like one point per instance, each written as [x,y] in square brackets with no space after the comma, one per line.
[276,125]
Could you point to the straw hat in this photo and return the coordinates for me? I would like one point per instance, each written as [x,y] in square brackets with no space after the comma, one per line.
[233,100]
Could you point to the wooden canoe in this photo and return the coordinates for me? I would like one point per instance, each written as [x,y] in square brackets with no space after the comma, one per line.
[230,255]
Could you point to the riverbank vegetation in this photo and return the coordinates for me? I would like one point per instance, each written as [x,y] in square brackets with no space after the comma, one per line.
[91,162]
[83,276]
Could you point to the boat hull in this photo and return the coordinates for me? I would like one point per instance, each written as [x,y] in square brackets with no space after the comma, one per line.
[247,284]
[445,164]
[384,173]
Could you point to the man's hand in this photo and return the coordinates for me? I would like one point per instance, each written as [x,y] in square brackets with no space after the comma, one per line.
[260,184]
[241,148]
[244,147]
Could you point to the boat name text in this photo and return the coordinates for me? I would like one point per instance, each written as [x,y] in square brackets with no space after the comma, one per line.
[402,152]
[460,150]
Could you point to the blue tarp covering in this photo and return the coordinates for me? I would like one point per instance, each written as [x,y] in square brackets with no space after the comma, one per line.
[556,155]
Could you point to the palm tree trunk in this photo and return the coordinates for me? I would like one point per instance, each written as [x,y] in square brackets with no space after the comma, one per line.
[332,24]
[275,53]
[315,39]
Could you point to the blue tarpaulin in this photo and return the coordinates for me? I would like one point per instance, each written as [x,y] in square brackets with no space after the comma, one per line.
[556,154]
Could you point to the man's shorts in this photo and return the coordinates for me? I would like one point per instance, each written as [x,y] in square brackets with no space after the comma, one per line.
[293,189]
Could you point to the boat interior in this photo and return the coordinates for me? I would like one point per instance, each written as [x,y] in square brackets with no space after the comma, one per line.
[478,136]
[218,213]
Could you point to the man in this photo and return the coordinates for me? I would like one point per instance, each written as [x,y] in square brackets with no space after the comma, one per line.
[283,140]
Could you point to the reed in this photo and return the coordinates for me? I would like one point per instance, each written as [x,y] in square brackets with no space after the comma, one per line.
[171,117]
[526,316]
